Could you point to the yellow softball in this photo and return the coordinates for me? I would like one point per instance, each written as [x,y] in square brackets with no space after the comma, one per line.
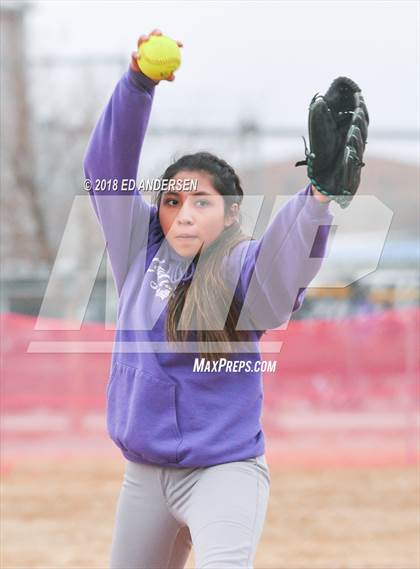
[159,57]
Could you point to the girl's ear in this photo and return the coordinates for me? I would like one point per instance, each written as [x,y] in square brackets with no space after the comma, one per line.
[232,216]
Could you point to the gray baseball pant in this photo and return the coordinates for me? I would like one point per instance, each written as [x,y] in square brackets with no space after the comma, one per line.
[164,511]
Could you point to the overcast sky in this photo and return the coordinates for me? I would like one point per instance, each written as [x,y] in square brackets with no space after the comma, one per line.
[262,60]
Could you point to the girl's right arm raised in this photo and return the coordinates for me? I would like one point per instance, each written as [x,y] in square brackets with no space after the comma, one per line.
[110,165]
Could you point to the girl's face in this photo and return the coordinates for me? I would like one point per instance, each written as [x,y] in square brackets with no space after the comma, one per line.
[194,219]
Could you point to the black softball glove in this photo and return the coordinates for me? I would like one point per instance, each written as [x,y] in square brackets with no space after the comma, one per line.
[338,127]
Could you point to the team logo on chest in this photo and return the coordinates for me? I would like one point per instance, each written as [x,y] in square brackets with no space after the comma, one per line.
[161,284]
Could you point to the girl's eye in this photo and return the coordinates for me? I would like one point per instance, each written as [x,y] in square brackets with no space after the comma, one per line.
[168,201]
[174,201]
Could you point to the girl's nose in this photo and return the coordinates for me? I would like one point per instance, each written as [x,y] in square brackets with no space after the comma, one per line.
[185,215]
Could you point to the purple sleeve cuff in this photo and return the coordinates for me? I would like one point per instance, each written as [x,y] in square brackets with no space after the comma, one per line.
[141,81]
[313,207]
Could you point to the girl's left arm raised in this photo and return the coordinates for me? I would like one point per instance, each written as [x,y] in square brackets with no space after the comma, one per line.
[279,267]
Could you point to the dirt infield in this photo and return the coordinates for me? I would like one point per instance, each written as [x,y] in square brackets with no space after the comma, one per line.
[60,515]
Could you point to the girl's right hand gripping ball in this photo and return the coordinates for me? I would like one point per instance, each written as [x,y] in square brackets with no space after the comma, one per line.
[158,57]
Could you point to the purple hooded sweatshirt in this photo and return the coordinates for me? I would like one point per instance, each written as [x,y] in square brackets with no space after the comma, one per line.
[159,409]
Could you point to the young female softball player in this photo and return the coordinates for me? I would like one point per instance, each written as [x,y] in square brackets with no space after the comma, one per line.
[195,470]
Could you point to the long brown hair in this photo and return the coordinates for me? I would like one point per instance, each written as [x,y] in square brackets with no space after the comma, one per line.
[199,303]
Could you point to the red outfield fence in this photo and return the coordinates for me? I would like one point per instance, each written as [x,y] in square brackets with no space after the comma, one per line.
[344,391]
